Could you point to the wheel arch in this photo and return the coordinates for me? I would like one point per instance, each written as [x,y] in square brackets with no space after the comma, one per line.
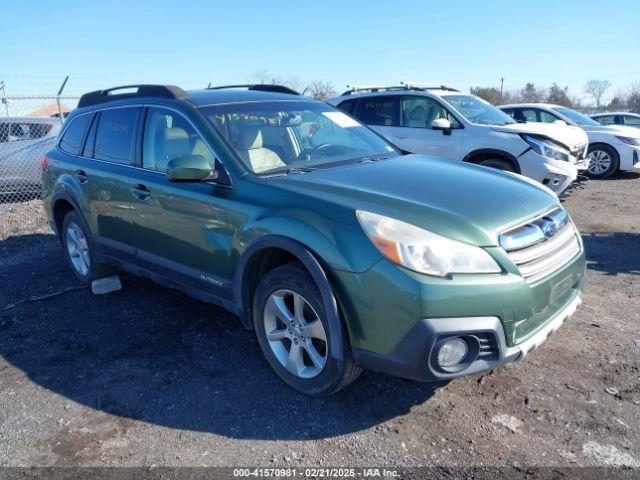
[271,251]
[62,203]
[476,156]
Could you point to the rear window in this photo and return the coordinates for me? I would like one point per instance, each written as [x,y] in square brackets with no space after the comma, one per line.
[71,140]
[115,135]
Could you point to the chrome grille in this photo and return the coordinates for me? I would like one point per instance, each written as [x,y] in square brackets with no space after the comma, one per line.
[542,246]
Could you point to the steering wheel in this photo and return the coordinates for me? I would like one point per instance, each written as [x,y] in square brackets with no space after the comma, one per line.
[309,152]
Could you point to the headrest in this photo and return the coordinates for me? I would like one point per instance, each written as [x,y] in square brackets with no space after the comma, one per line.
[250,138]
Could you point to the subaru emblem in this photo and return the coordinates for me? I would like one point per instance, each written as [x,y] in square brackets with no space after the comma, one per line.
[549,229]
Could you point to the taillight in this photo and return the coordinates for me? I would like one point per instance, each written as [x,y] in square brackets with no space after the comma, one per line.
[45,163]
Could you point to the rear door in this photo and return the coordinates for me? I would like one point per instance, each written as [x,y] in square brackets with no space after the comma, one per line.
[104,170]
[182,228]
[381,113]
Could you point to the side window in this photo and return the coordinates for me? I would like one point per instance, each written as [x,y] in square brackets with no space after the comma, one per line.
[421,111]
[381,111]
[546,117]
[635,121]
[528,115]
[168,135]
[348,106]
[606,120]
[71,140]
[115,135]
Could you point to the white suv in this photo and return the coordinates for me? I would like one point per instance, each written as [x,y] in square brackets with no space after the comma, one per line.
[441,121]
[611,148]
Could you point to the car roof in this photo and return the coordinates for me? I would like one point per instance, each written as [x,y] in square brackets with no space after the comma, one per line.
[236,95]
[530,105]
[606,114]
[395,92]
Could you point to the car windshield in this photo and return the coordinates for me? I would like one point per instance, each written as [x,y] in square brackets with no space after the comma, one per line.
[477,110]
[281,136]
[576,117]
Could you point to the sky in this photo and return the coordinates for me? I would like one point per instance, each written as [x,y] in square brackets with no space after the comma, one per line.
[191,43]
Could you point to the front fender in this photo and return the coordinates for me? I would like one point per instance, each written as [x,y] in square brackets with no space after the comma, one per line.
[342,246]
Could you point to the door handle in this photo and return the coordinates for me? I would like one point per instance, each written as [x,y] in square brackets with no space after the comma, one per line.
[82,176]
[140,191]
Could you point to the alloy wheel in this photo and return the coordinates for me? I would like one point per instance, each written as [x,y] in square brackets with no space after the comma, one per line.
[600,162]
[295,334]
[78,249]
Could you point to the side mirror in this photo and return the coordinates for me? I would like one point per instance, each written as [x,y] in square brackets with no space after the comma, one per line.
[441,124]
[560,122]
[190,168]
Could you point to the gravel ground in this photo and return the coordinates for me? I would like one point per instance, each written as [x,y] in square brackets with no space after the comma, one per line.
[147,376]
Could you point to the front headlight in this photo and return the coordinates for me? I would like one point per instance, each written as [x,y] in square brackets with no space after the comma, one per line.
[422,251]
[631,141]
[546,148]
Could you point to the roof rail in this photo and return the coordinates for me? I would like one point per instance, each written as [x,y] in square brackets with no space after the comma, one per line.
[111,95]
[427,86]
[402,86]
[262,87]
[371,88]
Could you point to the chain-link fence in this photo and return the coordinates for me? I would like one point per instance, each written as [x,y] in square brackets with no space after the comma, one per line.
[29,125]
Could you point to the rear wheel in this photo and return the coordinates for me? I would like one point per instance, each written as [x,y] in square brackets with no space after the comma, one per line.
[603,162]
[78,248]
[497,163]
[295,335]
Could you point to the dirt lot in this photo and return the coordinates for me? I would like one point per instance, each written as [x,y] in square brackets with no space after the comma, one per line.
[147,376]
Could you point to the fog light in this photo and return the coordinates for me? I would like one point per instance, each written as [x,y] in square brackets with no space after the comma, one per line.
[452,352]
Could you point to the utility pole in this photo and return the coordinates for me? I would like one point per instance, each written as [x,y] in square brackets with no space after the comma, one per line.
[4,98]
[501,89]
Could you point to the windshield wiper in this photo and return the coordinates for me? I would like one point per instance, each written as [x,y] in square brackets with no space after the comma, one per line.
[373,158]
[293,170]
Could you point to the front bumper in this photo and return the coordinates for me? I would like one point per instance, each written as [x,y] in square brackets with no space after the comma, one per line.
[397,318]
[415,357]
[629,157]
[554,174]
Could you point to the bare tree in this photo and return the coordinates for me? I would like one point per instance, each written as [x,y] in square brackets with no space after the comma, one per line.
[267,78]
[597,89]
[490,94]
[531,94]
[321,90]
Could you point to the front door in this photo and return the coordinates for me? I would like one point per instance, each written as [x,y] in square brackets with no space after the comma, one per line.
[182,227]
[415,133]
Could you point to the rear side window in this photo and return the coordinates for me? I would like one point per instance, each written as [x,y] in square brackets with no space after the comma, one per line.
[348,106]
[381,111]
[115,135]
[71,140]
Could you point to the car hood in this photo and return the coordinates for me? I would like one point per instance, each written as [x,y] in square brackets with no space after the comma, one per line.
[462,201]
[567,135]
[621,130]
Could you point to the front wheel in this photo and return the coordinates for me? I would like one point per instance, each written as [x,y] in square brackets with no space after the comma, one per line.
[295,335]
[603,161]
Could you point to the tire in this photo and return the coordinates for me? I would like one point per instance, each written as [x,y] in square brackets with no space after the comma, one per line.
[604,161]
[78,249]
[295,347]
[498,163]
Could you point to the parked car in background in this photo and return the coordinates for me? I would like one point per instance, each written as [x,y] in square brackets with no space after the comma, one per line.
[23,143]
[618,118]
[337,250]
[611,148]
[439,120]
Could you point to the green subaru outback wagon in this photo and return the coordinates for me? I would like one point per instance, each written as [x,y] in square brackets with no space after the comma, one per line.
[340,252]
